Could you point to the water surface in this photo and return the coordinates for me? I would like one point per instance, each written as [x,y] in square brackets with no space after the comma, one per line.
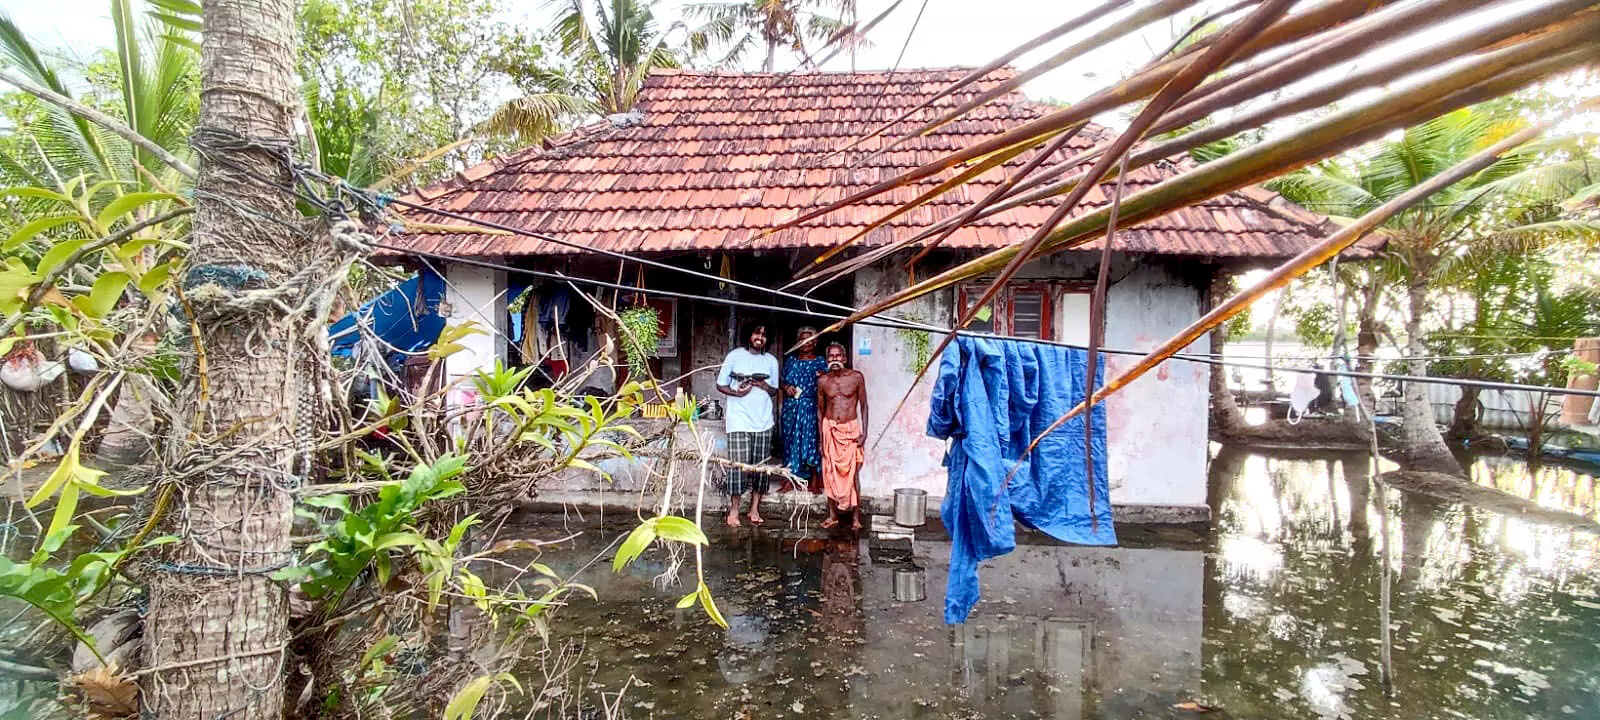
[1272,614]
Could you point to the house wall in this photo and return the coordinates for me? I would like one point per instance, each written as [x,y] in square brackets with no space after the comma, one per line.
[477,295]
[1156,432]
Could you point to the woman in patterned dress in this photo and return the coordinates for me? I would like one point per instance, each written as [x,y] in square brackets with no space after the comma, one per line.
[799,377]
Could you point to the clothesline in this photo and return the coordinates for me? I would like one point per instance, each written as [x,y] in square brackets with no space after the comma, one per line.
[878,321]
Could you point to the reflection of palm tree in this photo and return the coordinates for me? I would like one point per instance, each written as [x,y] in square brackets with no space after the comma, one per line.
[1419,515]
[1357,472]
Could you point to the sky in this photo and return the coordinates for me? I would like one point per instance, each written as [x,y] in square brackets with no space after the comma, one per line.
[929,33]
[946,33]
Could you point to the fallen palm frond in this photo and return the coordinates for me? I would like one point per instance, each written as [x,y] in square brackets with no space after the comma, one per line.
[1488,76]
[1297,266]
[1144,84]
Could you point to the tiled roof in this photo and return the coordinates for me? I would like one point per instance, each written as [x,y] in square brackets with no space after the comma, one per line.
[719,158]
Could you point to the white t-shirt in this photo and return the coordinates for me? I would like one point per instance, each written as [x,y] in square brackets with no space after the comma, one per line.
[753,412]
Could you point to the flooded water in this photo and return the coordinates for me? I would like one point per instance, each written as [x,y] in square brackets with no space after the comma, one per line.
[1272,614]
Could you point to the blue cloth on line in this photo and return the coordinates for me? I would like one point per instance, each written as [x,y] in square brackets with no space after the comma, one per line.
[405,317]
[991,398]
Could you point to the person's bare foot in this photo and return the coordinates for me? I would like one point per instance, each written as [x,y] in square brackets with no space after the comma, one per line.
[733,519]
[755,517]
[855,523]
[831,523]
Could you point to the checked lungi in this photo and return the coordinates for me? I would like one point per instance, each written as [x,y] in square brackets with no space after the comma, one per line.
[750,448]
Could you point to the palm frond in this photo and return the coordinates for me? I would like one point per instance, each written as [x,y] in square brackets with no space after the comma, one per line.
[532,118]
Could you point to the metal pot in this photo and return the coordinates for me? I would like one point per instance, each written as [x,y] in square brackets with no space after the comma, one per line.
[910,584]
[910,507]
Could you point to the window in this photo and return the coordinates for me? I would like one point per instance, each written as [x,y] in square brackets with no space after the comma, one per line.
[1044,310]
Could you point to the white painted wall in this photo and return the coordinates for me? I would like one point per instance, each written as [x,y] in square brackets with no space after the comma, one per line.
[477,295]
[1156,433]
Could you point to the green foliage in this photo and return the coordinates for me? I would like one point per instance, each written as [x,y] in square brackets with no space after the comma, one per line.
[379,533]
[391,81]
[1315,324]
[732,30]
[500,381]
[1519,307]
[1238,326]
[607,52]
[57,591]
[1578,366]
[465,702]
[641,335]
[673,529]
[918,348]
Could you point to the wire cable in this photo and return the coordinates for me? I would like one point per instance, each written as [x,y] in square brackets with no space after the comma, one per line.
[379,202]
[1203,358]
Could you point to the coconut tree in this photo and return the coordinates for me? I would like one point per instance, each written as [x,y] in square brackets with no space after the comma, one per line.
[737,28]
[151,88]
[153,93]
[1427,242]
[610,50]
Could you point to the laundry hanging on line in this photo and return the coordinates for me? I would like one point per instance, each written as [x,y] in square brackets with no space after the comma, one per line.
[991,398]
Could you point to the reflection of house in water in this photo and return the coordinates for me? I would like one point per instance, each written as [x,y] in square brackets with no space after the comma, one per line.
[1062,632]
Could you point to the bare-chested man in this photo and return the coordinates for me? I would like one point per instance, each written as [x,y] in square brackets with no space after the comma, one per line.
[842,422]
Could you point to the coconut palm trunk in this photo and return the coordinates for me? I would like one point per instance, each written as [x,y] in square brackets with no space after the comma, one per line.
[217,627]
[1226,417]
[1422,446]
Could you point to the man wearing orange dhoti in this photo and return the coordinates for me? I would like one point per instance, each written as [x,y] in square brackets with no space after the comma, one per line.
[842,423]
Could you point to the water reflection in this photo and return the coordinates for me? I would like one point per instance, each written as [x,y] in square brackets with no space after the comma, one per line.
[1490,619]
[1272,615]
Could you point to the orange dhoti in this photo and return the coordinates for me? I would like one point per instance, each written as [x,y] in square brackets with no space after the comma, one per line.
[841,460]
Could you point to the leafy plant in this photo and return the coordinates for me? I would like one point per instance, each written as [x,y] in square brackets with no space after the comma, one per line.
[918,347]
[641,335]
[57,592]
[379,533]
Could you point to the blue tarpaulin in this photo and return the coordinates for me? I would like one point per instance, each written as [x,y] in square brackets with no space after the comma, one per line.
[405,318]
[991,399]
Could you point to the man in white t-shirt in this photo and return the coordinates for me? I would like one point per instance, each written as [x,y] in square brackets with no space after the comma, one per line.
[749,377]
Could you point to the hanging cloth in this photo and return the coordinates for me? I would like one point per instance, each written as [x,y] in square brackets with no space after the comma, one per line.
[990,400]
[1302,395]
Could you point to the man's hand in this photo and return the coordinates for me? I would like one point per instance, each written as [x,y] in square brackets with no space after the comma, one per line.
[862,440]
[763,385]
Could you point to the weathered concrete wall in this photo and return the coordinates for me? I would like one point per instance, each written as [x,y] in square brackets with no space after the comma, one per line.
[1156,434]
[708,343]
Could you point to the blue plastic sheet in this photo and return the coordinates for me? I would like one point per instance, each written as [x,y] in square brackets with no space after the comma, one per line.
[992,397]
[405,318]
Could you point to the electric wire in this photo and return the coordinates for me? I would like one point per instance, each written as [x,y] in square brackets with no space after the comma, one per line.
[379,201]
[1203,358]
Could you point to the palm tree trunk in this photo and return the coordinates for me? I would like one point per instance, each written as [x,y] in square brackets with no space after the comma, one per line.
[772,56]
[1421,445]
[217,628]
[1226,417]
[1464,419]
[1272,330]
[1366,348]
